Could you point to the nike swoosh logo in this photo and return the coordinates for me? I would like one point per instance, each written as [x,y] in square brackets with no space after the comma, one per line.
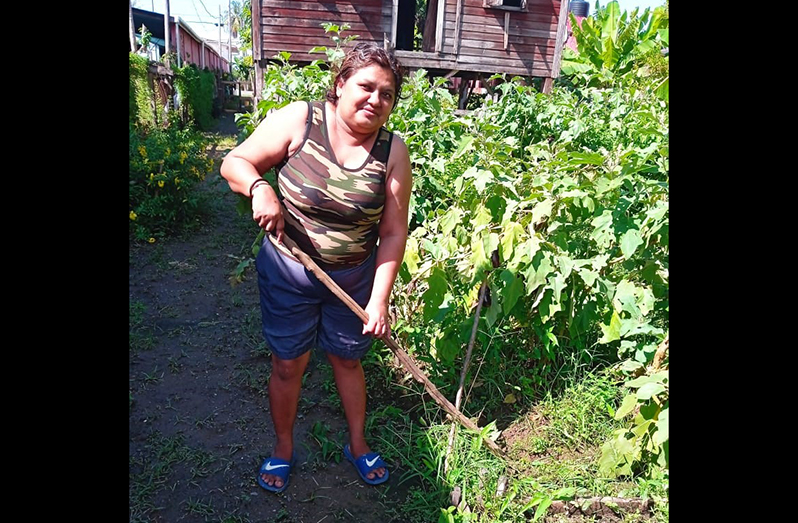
[372,462]
[269,466]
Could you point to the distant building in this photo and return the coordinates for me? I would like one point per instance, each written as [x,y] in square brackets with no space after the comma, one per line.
[189,47]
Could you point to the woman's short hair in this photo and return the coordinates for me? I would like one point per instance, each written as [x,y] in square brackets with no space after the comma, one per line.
[363,55]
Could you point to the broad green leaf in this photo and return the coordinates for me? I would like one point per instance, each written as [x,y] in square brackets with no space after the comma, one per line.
[565,493]
[588,276]
[433,296]
[511,236]
[439,164]
[481,218]
[537,271]
[610,27]
[617,455]
[450,219]
[557,284]
[630,241]
[641,427]
[541,210]
[490,242]
[649,389]
[493,311]
[663,35]
[631,366]
[663,90]
[636,326]
[481,179]
[642,380]
[582,158]
[548,308]
[542,508]
[513,288]
[627,405]
[661,435]
[465,144]
[612,331]
[602,230]
[447,348]
[411,257]
[625,298]
[573,193]
[611,54]
[479,261]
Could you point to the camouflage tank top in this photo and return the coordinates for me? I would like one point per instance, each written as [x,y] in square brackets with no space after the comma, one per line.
[330,211]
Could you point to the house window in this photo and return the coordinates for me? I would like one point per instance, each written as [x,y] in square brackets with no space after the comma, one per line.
[507,5]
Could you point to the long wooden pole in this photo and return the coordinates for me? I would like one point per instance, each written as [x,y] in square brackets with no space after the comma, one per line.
[459,398]
[403,356]
[132,29]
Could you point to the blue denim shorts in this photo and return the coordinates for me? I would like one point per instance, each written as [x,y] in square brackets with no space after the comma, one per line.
[300,312]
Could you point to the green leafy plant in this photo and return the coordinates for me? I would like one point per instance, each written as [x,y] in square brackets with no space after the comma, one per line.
[196,90]
[611,43]
[165,166]
[642,445]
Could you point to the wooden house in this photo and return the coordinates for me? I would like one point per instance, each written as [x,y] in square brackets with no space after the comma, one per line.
[189,47]
[466,38]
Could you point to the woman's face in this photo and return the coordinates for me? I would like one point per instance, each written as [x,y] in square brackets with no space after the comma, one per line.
[365,99]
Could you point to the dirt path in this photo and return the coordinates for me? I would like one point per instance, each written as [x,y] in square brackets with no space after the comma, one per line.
[199,425]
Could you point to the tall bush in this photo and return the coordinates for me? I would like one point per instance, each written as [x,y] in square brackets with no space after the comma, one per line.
[196,90]
[165,166]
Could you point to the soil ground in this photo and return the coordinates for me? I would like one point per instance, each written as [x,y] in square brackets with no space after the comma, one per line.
[199,423]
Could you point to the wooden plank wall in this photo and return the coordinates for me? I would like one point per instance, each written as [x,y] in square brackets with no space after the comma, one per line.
[531,40]
[295,26]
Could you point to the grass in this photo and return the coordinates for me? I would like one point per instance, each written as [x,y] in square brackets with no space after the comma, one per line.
[553,452]
[150,472]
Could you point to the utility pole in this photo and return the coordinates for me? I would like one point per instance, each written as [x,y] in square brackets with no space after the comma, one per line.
[166,35]
[229,38]
[220,38]
[132,29]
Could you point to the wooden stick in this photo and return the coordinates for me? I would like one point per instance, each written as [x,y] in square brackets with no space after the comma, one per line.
[403,356]
[459,398]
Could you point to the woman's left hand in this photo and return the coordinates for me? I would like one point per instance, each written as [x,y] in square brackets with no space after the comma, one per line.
[379,325]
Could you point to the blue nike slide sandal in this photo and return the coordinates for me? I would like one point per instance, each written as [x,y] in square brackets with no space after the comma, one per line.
[367,463]
[277,467]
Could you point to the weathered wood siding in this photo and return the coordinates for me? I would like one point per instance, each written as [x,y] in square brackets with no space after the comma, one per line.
[191,51]
[295,26]
[531,38]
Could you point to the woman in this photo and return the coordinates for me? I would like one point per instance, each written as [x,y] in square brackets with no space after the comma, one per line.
[344,184]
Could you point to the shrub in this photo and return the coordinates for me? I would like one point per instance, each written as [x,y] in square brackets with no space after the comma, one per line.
[165,167]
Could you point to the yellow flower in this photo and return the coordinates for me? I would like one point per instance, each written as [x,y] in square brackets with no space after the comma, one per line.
[168,151]
[160,183]
[177,180]
[133,216]
[142,151]
[151,240]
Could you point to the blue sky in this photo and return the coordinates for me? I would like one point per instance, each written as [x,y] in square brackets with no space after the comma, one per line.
[201,14]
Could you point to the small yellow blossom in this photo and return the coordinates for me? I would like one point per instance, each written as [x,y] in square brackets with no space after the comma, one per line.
[142,151]
[168,151]
[151,240]
[133,216]
[160,183]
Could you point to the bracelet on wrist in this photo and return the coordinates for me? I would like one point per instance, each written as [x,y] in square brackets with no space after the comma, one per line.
[255,184]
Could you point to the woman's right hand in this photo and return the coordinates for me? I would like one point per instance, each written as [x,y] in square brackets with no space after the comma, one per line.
[267,211]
